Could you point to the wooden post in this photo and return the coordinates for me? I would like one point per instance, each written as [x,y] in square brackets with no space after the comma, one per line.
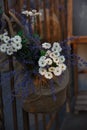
[6,9]
[11,68]
[44,121]
[28,5]
[45,21]
[69,34]
[26,122]
[51,20]
[1,103]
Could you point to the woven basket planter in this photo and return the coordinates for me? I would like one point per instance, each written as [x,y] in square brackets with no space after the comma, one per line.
[43,102]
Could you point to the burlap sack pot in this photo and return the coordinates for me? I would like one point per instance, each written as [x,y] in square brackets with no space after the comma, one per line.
[42,101]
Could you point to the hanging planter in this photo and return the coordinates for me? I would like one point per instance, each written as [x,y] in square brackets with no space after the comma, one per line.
[44,65]
[48,100]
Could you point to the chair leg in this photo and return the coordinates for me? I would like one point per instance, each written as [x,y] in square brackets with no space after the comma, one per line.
[57,121]
[36,121]
[26,120]
[51,122]
[44,122]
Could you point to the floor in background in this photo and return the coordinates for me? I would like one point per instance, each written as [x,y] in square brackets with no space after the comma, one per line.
[75,122]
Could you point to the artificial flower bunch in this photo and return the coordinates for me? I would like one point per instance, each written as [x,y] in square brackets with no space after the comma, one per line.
[9,45]
[31,13]
[39,59]
[52,62]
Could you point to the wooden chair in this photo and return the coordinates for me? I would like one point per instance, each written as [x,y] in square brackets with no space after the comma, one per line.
[75,121]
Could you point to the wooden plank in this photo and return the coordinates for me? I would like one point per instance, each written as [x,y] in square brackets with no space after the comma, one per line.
[69,19]
[80,39]
[28,4]
[57,8]
[11,69]
[81,108]
[1,107]
[51,20]
[14,110]
[83,97]
[68,108]
[36,121]
[38,18]
[6,9]
[57,121]
[50,122]
[81,102]
[44,121]
[26,122]
[75,71]
[63,19]
[82,71]
[83,92]
[45,21]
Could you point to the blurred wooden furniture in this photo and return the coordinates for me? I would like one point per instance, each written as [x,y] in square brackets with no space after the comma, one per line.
[81,97]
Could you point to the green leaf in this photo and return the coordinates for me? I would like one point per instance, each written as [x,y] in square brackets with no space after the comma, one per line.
[42,52]
[20,33]
[24,40]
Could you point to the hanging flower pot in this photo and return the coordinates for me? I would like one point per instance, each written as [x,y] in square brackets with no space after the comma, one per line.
[49,97]
[43,81]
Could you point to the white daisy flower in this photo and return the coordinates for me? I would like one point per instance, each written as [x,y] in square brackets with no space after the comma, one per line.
[52,55]
[18,46]
[56,60]
[27,13]
[56,45]
[24,12]
[6,39]
[61,59]
[8,45]
[31,13]
[48,53]
[58,63]
[57,54]
[38,13]
[51,69]
[14,49]
[56,49]
[63,67]
[48,75]
[42,71]
[46,45]
[42,63]
[3,48]
[49,61]
[42,58]
[60,49]
[17,39]
[57,71]
[34,11]
[9,52]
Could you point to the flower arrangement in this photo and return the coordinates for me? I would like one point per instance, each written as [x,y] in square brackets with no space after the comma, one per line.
[39,59]
[44,63]
[10,45]
[52,62]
